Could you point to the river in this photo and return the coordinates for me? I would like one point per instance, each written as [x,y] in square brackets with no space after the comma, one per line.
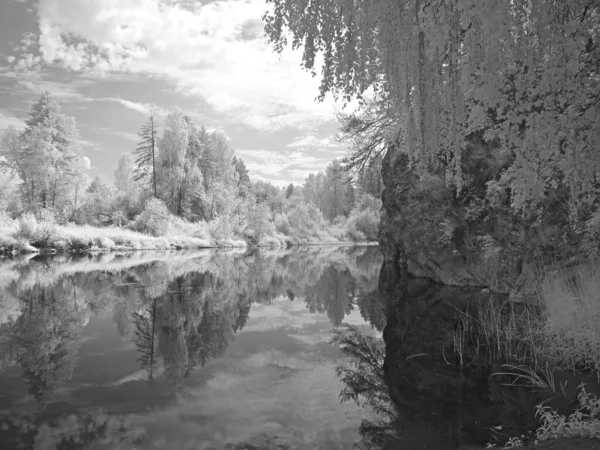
[204,350]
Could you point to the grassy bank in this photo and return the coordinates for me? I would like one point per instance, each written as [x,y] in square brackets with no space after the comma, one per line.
[31,235]
[551,345]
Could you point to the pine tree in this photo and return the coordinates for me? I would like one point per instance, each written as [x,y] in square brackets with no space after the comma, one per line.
[146,152]
[145,338]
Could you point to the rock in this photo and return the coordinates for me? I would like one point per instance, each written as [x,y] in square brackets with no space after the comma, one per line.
[424,229]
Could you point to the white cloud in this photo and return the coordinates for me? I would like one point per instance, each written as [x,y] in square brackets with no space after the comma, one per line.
[142,108]
[282,165]
[214,50]
[314,141]
[7,120]
[282,314]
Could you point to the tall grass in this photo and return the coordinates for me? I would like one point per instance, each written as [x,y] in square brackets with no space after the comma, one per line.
[560,329]
[570,300]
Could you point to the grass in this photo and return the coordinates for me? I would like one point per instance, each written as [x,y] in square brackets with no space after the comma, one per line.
[560,331]
[570,300]
[29,235]
[34,237]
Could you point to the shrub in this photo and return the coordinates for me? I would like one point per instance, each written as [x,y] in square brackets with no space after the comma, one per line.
[41,232]
[354,234]
[5,220]
[155,219]
[583,423]
[367,222]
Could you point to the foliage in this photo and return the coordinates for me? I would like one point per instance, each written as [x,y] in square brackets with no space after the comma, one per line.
[155,219]
[583,423]
[41,232]
[569,331]
[184,181]
[46,156]
[528,83]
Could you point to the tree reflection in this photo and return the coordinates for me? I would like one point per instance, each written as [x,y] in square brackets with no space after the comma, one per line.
[364,383]
[145,337]
[44,340]
[73,432]
[181,311]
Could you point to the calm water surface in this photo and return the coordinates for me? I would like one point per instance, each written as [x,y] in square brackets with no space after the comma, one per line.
[181,350]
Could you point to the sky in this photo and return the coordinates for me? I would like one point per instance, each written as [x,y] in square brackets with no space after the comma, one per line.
[107,61]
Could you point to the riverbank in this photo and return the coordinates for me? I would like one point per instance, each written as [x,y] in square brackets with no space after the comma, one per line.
[42,237]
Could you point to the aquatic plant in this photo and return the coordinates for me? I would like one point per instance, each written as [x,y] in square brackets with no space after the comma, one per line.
[584,422]
[531,377]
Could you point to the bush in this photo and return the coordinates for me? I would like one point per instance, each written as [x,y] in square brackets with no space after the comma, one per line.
[40,232]
[5,220]
[155,219]
[355,235]
[282,224]
[367,222]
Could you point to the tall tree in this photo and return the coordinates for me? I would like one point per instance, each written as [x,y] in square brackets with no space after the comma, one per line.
[125,174]
[172,159]
[242,172]
[518,77]
[289,191]
[337,199]
[46,155]
[147,153]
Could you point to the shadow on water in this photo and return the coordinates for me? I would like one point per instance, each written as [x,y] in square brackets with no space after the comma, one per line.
[436,379]
[181,311]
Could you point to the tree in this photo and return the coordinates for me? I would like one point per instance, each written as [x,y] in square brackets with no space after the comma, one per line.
[146,337]
[519,78]
[242,171]
[369,179]
[289,191]
[265,192]
[124,174]
[219,154]
[101,199]
[171,160]
[147,152]
[368,130]
[46,155]
[314,187]
[337,198]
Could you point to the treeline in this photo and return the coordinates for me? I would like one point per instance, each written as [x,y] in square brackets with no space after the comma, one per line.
[180,173]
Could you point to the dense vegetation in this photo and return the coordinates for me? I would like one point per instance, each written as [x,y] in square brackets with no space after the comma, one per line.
[487,114]
[181,181]
[496,103]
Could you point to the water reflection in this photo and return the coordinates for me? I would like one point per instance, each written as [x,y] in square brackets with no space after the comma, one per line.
[181,312]
[441,370]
